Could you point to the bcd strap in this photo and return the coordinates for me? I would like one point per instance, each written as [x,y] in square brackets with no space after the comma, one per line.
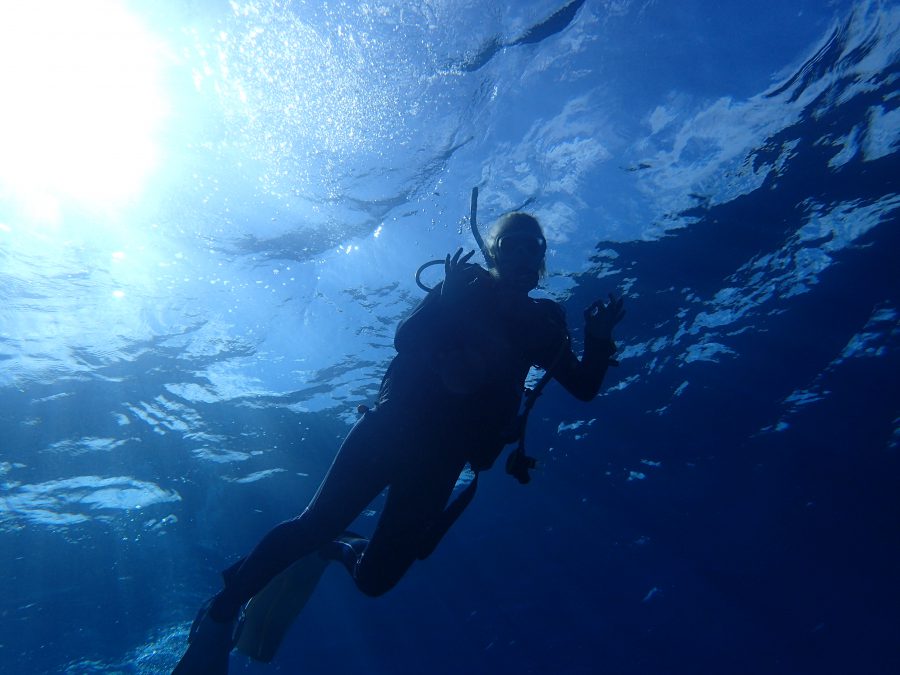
[518,464]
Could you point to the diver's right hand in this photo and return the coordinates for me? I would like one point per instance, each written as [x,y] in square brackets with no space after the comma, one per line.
[459,275]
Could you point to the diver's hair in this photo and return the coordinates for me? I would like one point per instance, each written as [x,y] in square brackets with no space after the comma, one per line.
[506,222]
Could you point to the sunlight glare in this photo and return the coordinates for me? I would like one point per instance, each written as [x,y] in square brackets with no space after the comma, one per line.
[80,103]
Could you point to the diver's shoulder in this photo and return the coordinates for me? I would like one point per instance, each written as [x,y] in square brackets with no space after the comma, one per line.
[548,306]
[549,313]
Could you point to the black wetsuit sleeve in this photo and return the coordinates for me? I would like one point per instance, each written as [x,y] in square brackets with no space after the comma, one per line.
[438,318]
[423,326]
[581,378]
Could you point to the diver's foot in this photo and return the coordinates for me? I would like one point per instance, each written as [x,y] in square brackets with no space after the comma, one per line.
[209,645]
[347,549]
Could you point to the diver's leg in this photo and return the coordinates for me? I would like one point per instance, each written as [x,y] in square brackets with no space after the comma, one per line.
[345,549]
[359,473]
[413,504]
[210,643]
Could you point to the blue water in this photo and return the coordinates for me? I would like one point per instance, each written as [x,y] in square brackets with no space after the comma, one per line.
[179,360]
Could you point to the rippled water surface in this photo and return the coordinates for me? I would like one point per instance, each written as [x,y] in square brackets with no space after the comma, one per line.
[210,217]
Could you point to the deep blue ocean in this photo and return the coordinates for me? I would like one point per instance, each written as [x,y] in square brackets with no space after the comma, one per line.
[211,214]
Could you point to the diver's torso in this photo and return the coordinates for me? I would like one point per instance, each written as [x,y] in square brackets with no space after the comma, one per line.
[468,383]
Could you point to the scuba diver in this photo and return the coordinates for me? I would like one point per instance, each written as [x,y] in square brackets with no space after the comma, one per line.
[450,397]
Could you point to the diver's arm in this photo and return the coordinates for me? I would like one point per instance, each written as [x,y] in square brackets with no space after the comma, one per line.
[583,378]
[423,326]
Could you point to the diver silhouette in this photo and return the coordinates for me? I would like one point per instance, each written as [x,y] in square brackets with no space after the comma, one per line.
[450,397]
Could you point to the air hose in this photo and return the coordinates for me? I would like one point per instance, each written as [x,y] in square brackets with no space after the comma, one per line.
[473,222]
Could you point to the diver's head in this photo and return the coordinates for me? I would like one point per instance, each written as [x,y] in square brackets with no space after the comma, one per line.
[517,246]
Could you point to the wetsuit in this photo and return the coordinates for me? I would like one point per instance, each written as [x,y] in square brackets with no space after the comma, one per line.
[450,396]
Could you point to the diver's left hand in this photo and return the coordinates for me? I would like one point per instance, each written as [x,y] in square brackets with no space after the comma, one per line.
[600,318]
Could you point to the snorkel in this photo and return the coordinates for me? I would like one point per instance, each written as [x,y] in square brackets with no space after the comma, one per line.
[473,222]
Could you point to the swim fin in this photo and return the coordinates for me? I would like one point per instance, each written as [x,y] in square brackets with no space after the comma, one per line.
[269,614]
[209,645]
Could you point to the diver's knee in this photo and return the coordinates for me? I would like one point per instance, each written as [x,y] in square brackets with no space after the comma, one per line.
[375,586]
[377,579]
[382,565]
